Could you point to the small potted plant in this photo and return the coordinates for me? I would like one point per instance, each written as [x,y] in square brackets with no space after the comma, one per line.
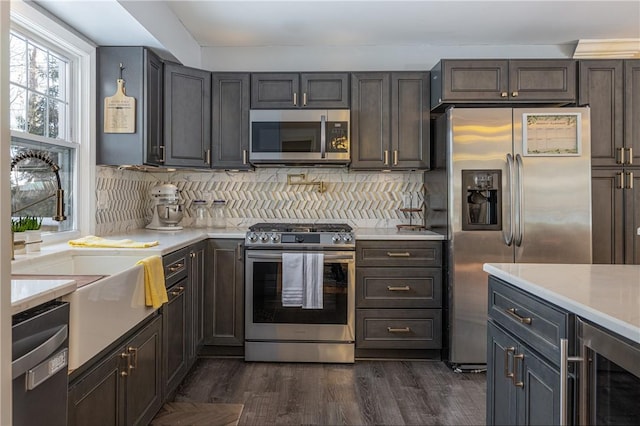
[32,226]
[19,235]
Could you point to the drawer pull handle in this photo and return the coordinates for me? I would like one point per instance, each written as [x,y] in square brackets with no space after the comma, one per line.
[398,288]
[507,373]
[177,292]
[516,383]
[399,330]
[405,254]
[523,320]
[176,267]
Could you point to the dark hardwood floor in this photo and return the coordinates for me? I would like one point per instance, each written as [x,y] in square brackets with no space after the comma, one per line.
[364,393]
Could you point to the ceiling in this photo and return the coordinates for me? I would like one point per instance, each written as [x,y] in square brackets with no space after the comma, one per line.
[239,23]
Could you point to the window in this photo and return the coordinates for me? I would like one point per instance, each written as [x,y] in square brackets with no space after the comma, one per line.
[40,119]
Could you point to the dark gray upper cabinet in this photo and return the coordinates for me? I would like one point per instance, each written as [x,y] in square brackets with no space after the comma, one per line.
[462,81]
[187,116]
[143,80]
[632,112]
[390,127]
[230,121]
[299,90]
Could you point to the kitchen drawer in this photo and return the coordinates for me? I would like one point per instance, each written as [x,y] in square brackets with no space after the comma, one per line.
[398,287]
[175,266]
[398,329]
[399,253]
[531,320]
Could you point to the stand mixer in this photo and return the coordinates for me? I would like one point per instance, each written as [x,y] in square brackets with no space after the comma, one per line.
[167,210]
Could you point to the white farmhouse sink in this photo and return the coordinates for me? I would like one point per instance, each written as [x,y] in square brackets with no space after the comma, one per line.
[102,311]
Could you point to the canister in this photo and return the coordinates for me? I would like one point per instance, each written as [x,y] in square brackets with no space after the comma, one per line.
[200,213]
[218,216]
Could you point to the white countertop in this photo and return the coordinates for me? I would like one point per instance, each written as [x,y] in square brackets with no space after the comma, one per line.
[26,294]
[607,295]
[394,234]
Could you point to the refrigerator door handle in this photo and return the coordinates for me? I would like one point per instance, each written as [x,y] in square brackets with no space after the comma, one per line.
[508,237]
[519,234]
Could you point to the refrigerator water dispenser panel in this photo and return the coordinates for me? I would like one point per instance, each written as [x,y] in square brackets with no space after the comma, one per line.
[481,200]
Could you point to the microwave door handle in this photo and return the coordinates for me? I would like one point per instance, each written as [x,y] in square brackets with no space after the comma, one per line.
[323,136]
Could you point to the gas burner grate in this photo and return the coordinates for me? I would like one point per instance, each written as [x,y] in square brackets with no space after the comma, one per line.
[300,227]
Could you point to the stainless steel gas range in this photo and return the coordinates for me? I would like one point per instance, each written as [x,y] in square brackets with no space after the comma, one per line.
[284,261]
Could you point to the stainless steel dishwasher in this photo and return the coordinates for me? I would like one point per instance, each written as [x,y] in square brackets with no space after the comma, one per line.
[39,354]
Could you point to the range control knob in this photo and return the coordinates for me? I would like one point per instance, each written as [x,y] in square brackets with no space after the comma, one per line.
[347,238]
[264,238]
[336,238]
[275,238]
[252,237]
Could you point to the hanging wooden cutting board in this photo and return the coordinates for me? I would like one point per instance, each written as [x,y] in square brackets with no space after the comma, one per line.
[120,111]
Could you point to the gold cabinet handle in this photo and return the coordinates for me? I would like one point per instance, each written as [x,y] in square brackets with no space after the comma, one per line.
[304,99]
[504,94]
[508,374]
[395,157]
[245,155]
[176,267]
[620,180]
[516,357]
[386,158]
[514,94]
[192,255]
[404,254]
[177,292]
[630,180]
[208,157]
[620,156]
[295,98]
[399,330]
[134,352]
[514,314]
[127,356]
[398,288]
[630,161]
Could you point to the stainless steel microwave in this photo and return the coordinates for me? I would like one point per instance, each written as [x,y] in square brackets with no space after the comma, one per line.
[299,137]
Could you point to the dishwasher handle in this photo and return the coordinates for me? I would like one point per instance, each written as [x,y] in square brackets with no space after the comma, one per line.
[32,358]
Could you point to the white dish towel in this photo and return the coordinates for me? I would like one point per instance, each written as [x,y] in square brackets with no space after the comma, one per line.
[302,279]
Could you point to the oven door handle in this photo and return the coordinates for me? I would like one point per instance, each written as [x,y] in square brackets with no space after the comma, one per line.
[279,256]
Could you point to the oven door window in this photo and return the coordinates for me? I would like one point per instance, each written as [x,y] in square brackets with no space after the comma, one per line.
[300,136]
[267,296]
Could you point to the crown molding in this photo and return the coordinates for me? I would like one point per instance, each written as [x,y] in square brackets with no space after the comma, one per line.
[609,48]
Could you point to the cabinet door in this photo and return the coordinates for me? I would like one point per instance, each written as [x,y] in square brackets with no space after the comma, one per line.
[370,121]
[153,109]
[410,120]
[224,294]
[542,80]
[538,400]
[474,80]
[632,216]
[187,116]
[197,265]
[632,111]
[144,390]
[98,398]
[174,323]
[501,392]
[324,90]
[275,90]
[607,199]
[230,140]
[601,88]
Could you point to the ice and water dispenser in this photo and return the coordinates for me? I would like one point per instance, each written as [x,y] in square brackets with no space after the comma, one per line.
[481,200]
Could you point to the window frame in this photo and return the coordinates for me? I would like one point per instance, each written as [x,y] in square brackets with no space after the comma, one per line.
[48,32]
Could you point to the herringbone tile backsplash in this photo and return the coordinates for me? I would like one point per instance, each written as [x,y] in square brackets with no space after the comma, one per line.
[362,199]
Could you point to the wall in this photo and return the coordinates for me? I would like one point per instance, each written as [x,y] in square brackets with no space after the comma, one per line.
[361,199]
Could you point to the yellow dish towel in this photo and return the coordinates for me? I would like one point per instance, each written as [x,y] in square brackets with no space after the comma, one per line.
[93,241]
[155,293]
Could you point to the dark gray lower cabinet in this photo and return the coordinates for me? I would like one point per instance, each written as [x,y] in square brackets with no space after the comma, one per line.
[224,293]
[175,324]
[197,267]
[124,388]
[523,386]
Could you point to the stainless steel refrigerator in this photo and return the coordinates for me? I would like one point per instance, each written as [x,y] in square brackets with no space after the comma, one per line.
[518,190]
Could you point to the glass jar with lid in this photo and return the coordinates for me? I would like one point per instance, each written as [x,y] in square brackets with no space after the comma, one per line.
[218,216]
[199,213]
